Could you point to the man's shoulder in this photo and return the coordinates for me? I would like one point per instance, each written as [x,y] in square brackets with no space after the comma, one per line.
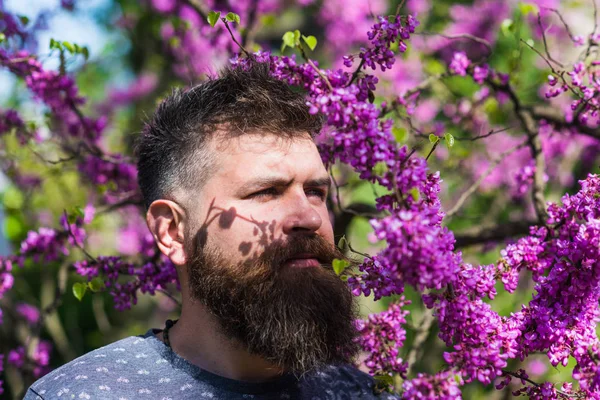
[346,379]
[99,369]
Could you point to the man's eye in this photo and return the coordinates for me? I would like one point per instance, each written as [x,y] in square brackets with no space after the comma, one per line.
[320,193]
[264,193]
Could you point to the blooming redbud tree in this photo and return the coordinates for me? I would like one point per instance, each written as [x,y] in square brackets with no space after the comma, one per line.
[463,139]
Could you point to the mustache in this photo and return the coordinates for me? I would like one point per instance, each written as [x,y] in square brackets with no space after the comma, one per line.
[276,254]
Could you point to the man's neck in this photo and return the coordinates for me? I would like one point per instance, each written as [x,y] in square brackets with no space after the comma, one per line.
[197,338]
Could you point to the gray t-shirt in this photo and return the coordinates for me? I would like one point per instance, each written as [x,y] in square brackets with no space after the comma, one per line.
[142,367]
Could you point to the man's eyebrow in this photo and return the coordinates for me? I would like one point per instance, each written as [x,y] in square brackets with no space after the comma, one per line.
[324,181]
[277,181]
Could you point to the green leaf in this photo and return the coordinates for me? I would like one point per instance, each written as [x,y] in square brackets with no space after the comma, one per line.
[13,198]
[384,380]
[506,27]
[400,134]
[310,41]
[14,227]
[79,290]
[339,265]
[414,192]
[96,284]
[232,17]
[268,19]
[2,37]
[297,36]
[55,45]
[433,138]
[174,42]
[213,17]
[24,20]
[380,168]
[449,140]
[434,67]
[288,40]
[342,243]
[69,46]
[528,8]
[85,52]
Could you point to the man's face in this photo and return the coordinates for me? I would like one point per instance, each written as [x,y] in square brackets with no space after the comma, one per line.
[260,249]
[266,189]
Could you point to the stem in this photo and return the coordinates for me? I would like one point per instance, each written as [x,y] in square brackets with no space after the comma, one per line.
[313,66]
[422,334]
[463,197]
[432,150]
[235,40]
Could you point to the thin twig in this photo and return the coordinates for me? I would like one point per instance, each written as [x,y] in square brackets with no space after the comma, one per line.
[479,40]
[77,244]
[554,10]
[539,20]
[432,149]
[235,40]
[541,55]
[535,144]
[463,197]
[420,338]
[339,201]
[399,7]
[356,72]
[313,66]
[519,376]
[490,133]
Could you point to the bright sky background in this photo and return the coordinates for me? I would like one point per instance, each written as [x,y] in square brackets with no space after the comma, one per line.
[77,26]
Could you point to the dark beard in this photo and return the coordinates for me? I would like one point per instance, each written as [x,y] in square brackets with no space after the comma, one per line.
[297,318]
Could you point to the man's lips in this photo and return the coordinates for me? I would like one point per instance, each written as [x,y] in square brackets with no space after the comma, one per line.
[304,260]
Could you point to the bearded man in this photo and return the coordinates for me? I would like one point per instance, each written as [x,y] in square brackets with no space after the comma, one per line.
[236,192]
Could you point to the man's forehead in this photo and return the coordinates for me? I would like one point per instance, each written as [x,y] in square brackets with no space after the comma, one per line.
[257,157]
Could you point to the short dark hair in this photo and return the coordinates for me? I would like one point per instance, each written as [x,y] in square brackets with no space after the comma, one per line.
[172,149]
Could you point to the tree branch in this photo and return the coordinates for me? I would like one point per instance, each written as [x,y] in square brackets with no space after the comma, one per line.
[557,118]
[485,234]
[535,144]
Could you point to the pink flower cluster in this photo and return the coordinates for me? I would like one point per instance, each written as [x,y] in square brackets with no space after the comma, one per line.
[154,275]
[37,362]
[443,385]
[381,337]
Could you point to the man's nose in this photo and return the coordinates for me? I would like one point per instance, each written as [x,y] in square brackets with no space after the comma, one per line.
[301,216]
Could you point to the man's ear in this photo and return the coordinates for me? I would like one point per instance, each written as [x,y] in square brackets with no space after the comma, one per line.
[165,219]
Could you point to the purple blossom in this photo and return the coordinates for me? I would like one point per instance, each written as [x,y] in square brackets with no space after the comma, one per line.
[30,313]
[561,318]
[16,357]
[385,32]
[120,177]
[47,244]
[442,385]
[459,64]
[481,73]
[147,278]
[6,278]
[381,337]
